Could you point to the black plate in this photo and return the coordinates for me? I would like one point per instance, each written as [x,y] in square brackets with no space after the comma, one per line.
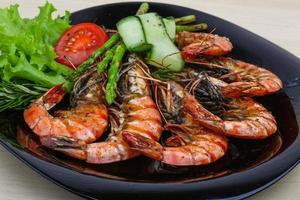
[248,168]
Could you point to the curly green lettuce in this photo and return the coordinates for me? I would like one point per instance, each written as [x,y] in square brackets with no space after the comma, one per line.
[27,46]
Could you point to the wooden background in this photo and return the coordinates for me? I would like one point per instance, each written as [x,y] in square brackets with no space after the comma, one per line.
[275,20]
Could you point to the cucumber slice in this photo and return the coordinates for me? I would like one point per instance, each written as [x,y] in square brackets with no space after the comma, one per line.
[170,25]
[131,31]
[164,53]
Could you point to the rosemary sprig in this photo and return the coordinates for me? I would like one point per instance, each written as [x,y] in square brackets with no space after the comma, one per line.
[17,96]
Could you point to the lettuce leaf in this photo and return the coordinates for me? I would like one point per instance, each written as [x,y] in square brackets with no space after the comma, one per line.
[26,46]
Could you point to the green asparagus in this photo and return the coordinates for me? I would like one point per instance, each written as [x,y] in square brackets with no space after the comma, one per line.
[191,28]
[185,19]
[113,73]
[106,60]
[113,70]
[144,7]
[68,85]
[107,45]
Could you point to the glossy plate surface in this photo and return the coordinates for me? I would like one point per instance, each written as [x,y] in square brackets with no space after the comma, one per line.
[247,168]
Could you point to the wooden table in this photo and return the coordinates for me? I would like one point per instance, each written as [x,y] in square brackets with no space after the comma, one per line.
[275,20]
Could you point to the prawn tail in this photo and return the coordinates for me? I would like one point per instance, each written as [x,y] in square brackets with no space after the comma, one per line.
[182,135]
[68,146]
[61,142]
[53,96]
[146,146]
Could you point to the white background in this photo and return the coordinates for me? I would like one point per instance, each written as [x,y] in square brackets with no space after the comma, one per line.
[275,20]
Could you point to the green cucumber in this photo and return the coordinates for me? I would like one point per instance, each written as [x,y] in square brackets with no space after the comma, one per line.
[131,31]
[170,25]
[164,53]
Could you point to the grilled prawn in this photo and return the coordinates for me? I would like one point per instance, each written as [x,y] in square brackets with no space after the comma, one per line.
[242,117]
[68,131]
[244,79]
[84,123]
[196,146]
[138,115]
[195,44]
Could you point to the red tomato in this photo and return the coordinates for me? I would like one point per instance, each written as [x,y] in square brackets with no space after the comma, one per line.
[78,43]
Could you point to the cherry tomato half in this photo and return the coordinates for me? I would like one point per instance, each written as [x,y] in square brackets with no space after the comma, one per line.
[78,43]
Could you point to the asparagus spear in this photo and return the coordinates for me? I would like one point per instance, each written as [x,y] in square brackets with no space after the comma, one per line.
[68,85]
[191,28]
[185,19]
[144,7]
[113,73]
[107,45]
[107,58]
[113,70]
